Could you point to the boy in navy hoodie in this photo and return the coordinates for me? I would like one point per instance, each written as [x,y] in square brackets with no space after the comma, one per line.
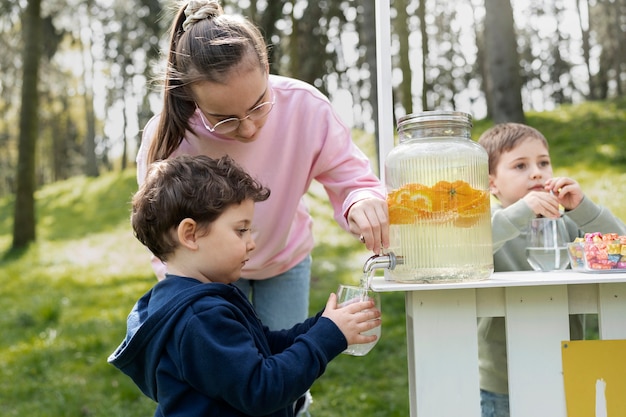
[194,343]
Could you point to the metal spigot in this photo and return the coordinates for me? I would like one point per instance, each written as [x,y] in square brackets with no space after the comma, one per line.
[388,261]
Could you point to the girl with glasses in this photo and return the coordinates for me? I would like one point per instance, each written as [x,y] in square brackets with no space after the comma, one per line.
[219,99]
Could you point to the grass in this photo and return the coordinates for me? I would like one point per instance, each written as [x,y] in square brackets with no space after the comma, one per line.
[65,299]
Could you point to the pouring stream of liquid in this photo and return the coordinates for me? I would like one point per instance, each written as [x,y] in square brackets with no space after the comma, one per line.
[366,280]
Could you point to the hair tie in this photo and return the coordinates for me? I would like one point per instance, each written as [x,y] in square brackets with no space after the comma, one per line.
[198,10]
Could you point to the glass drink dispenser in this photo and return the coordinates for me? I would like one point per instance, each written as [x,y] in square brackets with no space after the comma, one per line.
[437,182]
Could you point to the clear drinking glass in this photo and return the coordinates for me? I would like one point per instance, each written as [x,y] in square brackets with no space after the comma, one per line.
[546,244]
[347,294]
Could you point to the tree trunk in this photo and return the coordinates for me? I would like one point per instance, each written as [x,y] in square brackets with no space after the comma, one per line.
[91,161]
[61,133]
[479,66]
[124,161]
[91,167]
[312,41]
[368,39]
[267,24]
[618,45]
[402,30]
[294,46]
[24,219]
[503,69]
[421,13]
[586,45]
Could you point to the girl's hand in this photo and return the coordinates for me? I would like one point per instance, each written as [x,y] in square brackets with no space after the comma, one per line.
[353,319]
[368,219]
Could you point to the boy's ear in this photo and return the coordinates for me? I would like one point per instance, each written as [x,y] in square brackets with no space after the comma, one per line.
[186,232]
[492,187]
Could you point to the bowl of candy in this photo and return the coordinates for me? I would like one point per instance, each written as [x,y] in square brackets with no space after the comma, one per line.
[598,252]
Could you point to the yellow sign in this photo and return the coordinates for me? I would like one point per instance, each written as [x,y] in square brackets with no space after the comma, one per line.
[594,374]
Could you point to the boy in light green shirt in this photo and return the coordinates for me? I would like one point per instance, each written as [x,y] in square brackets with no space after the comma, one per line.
[521,178]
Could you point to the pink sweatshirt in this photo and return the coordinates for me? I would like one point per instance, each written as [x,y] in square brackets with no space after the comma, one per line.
[302,140]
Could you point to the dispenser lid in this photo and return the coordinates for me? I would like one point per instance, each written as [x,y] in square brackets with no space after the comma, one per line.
[435,117]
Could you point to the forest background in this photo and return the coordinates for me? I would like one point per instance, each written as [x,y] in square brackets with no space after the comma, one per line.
[76,76]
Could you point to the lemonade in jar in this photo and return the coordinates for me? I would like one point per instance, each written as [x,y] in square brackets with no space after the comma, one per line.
[438,198]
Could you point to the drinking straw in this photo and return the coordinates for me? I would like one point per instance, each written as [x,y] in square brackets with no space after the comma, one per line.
[557,252]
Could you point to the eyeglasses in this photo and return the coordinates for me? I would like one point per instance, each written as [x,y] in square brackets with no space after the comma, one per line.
[232,123]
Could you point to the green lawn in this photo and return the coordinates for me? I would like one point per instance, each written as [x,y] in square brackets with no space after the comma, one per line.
[65,299]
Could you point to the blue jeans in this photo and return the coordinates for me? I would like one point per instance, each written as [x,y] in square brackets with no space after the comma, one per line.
[281,301]
[493,404]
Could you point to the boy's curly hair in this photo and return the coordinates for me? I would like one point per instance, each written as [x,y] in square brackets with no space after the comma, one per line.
[195,187]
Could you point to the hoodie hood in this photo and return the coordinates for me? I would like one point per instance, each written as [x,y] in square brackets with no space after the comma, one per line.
[152,320]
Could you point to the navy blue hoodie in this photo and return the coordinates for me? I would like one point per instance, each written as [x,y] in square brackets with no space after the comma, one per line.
[199,349]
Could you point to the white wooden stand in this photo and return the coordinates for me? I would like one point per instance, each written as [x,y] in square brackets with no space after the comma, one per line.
[442,341]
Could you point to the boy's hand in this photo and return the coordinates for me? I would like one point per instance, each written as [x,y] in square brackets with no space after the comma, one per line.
[566,190]
[543,204]
[353,319]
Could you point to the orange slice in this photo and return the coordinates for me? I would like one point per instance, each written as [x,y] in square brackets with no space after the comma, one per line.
[401,215]
[445,201]
[471,213]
